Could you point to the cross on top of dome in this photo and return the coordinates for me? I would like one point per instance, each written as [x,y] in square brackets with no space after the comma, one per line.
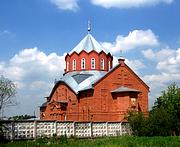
[89,27]
[88,44]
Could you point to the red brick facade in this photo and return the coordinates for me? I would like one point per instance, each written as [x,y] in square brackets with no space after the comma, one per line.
[100,100]
[88,56]
[98,104]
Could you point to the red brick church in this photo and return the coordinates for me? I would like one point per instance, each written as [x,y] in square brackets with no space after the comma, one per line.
[91,89]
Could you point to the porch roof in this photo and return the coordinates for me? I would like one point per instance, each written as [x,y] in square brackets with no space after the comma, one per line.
[124,89]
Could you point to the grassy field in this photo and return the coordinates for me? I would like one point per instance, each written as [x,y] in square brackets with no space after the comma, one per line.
[100,142]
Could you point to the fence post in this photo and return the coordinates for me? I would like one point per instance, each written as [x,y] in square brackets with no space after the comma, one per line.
[55,127]
[74,130]
[35,129]
[91,129]
[120,128]
[12,130]
[107,129]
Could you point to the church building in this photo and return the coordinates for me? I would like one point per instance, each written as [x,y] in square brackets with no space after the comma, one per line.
[92,89]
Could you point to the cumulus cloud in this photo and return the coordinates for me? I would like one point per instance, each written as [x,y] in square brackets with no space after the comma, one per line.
[149,54]
[128,3]
[34,64]
[168,69]
[134,40]
[66,4]
[159,82]
[158,55]
[34,73]
[170,64]
[135,65]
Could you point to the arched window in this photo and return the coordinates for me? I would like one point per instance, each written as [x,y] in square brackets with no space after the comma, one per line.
[102,64]
[74,64]
[67,66]
[83,63]
[92,63]
[109,65]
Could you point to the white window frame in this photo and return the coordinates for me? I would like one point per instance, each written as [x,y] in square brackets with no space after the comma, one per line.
[102,63]
[74,64]
[67,66]
[83,63]
[93,62]
[109,64]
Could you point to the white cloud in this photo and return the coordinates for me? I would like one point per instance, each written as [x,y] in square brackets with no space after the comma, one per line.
[159,82]
[1,67]
[66,4]
[34,73]
[170,64]
[135,65]
[40,85]
[35,64]
[128,3]
[162,78]
[168,70]
[135,40]
[160,55]
[149,54]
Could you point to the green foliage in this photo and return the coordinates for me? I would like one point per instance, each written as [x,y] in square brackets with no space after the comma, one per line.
[21,117]
[169,101]
[126,141]
[42,140]
[63,139]
[138,123]
[163,119]
[160,122]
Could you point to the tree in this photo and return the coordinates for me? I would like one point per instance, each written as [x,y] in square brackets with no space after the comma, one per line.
[7,93]
[163,119]
[138,123]
[170,102]
[160,122]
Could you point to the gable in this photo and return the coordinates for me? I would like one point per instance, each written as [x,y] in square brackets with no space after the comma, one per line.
[123,75]
[56,89]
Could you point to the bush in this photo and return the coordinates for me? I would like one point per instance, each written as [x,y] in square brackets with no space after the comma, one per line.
[63,139]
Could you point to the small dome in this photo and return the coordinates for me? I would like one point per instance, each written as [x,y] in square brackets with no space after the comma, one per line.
[88,55]
[88,43]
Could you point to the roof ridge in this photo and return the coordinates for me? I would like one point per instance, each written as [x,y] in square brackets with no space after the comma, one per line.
[88,43]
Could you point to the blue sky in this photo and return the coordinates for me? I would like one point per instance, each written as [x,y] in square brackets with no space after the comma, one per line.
[36,34]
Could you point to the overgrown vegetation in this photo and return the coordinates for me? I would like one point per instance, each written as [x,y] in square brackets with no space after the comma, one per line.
[125,141]
[163,119]
[21,117]
[7,93]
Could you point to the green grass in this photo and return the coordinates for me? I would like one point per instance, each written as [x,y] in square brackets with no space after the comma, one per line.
[125,141]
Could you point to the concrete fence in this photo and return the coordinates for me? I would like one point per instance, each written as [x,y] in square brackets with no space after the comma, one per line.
[34,129]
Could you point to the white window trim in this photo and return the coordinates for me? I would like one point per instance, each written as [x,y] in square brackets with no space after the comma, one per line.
[67,66]
[74,64]
[102,64]
[93,59]
[109,65]
[83,60]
